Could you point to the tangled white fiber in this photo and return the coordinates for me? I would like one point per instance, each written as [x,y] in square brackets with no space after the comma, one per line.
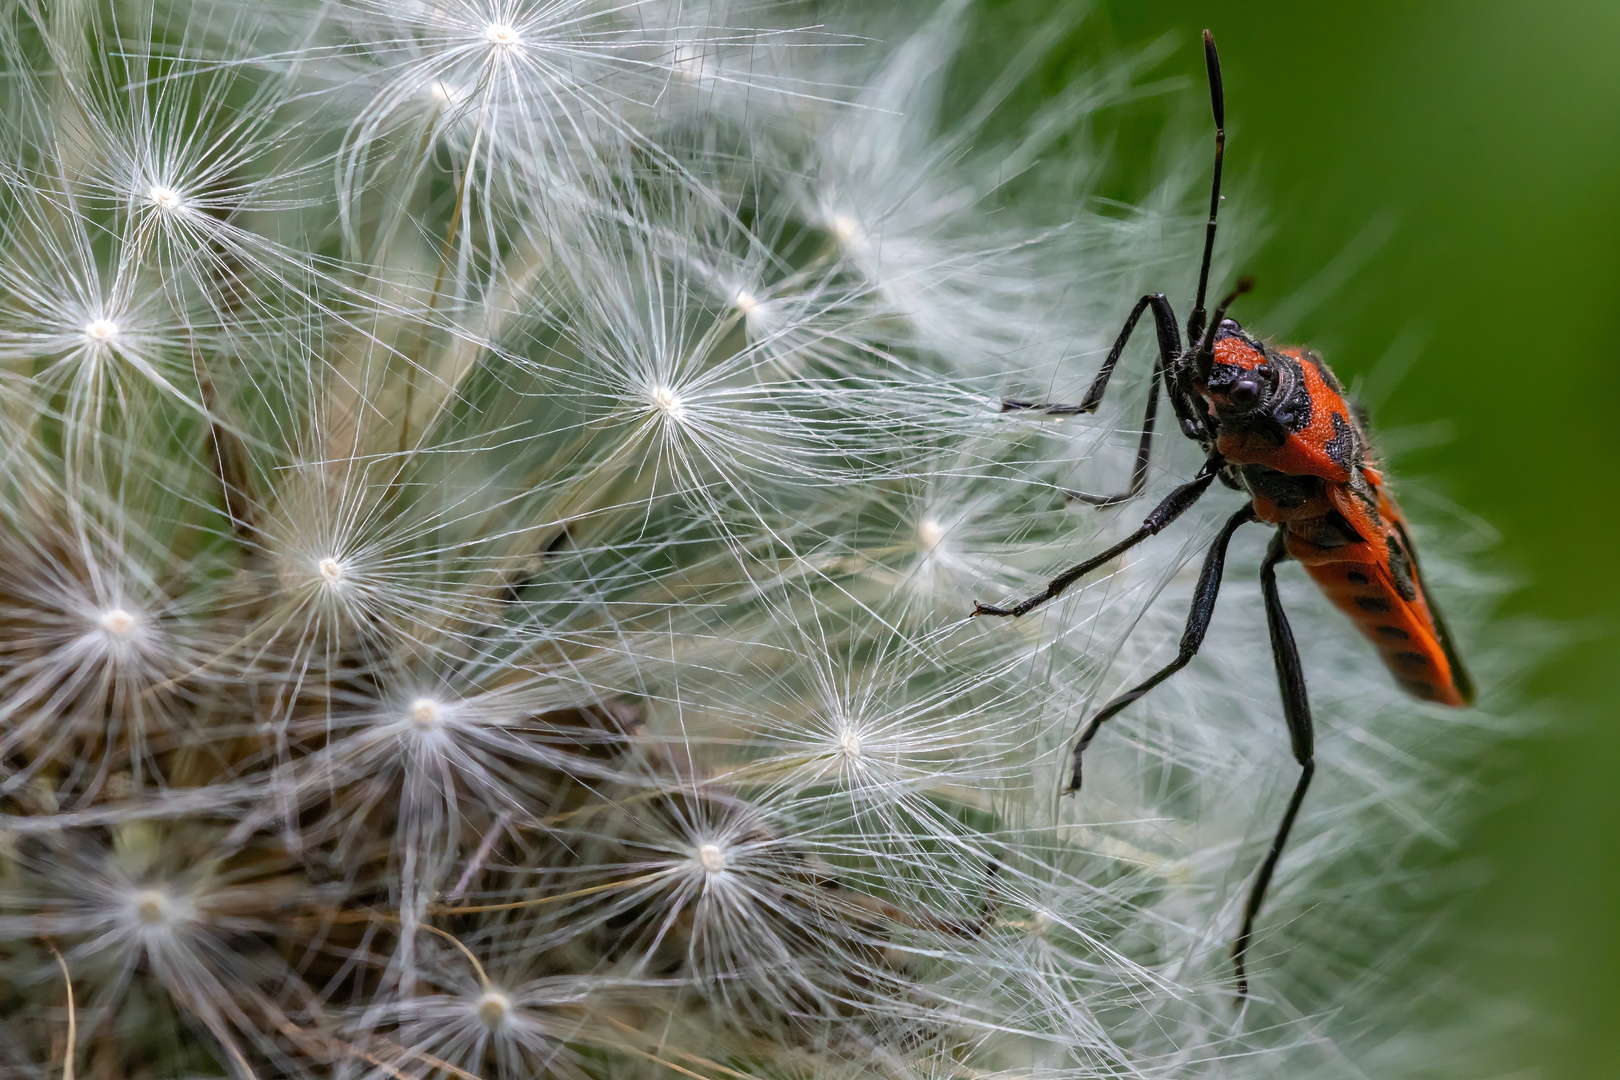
[492,493]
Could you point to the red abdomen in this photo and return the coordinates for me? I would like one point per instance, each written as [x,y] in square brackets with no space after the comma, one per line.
[1376,583]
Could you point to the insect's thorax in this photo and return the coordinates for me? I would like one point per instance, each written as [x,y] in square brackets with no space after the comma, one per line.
[1300,425]
[1292,441]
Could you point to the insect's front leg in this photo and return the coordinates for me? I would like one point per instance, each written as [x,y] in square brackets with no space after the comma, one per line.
[1169,342]
[1173,506]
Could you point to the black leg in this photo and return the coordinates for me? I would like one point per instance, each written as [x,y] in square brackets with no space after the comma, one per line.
[1169,335]
[1167,511]
[1050,408]
[1297,711]
[1203,607]
[1144,448]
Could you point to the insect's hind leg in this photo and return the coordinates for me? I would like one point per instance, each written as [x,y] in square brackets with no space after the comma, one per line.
[1301,736]
[1169,341]
[1192,638]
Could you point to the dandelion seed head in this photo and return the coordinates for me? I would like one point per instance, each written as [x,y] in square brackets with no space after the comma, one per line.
[164,198]
[758,315]
[297,634]
[501,35]
[847,231]
[849,743]
[669,403]
[711,857]
[493,1009]
[155,908]
[426,713]
[117,622]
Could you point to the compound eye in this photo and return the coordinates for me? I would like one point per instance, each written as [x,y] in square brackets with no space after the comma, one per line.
[1244,394]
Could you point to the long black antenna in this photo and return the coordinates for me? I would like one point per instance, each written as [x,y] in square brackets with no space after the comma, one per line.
[1217,101]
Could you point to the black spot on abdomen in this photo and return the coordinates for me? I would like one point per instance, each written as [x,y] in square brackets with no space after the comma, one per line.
[1420,689]
[1400,568]
[1373,605]
[1333,530]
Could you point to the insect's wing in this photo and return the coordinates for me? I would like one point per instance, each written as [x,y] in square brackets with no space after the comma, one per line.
[1459,674]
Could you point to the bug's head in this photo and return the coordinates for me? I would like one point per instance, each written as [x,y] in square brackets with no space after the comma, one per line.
[1241,381]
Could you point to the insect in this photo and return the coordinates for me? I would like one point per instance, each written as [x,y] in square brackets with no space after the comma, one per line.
[1274,424]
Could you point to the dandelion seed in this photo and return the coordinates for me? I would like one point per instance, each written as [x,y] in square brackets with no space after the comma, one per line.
[493,1009]
[500,35]
[425,713]
[712,857]
[929,534]
[165,198]
[117,622]
[847,231]
[745,302]
[849,743]
[100,331]
[670,403]
[152,906]
[331,571]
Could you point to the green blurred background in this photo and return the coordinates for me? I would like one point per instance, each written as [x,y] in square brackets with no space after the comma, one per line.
[1483,140]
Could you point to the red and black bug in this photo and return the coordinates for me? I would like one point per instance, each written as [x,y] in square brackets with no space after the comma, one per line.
[1274,424]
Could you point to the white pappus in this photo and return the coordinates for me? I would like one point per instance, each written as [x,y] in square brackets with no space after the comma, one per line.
[492,495]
